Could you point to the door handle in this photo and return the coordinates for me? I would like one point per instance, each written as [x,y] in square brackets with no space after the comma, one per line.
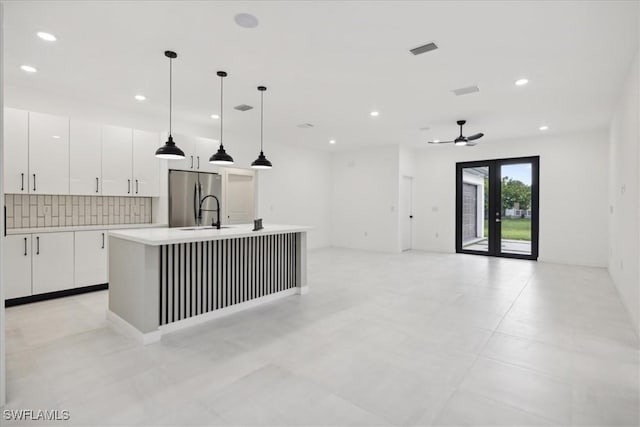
[498,220]
[128,186]
[34,182]
[136,186]
[22,182]
[191,162]
[198,162]
[37,245]
[102,240]
[25,246]
[97,185]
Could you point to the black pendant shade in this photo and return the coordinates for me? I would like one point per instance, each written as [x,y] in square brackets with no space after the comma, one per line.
[221,157]
[261,162]
[170,150]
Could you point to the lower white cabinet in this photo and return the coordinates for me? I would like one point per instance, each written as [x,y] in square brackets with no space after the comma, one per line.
[16,271]
[52,262]
[91,262]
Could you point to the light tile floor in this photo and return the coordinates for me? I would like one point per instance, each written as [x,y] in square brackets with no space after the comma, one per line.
[406,339]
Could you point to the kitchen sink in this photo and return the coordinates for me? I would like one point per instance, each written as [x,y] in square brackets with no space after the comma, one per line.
[202,228]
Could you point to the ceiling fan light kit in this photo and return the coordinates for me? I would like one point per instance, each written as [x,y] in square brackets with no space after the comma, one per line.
[461,140]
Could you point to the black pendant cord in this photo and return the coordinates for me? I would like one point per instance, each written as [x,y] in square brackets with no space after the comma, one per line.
[170,91]
[221,107]
[261,118]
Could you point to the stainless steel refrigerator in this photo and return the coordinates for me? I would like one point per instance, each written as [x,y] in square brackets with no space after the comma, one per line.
[186,189]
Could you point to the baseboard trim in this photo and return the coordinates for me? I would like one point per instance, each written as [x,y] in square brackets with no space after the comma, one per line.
[57,294]
[206,317]
[121,325]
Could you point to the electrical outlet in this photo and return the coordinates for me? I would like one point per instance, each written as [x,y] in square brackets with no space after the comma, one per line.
[366,234]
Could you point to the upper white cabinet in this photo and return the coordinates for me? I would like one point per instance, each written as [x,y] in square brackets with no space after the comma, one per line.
[85,158]
[16,151]
[188,145]
[205,148]
[117,161]
[52,262]
[16,271]
[146,167]
[48,154]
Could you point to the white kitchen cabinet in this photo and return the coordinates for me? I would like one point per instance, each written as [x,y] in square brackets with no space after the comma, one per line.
[16,271]
[52,262]
[85,158]
[146,167]
[188,145]
[48,154]
[116,161]
[16,151]
[205,148]
[91,260]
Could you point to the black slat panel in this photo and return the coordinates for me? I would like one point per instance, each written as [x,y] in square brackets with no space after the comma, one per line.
[200,277]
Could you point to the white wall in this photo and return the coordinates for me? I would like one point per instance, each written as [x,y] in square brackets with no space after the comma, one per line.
[573,194]
[297,191]
[364,199]
[624,194]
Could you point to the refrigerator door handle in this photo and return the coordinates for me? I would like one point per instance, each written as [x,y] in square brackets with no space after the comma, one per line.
[195,203]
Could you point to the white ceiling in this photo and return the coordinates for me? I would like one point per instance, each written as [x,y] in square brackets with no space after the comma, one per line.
[331,63]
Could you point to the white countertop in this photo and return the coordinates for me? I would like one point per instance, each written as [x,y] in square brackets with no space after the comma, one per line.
[168,236]
[37,230]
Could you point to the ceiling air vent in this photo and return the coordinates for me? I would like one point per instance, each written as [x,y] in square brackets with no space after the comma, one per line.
[243,107]
[424,48]
[304,125]
[466,90]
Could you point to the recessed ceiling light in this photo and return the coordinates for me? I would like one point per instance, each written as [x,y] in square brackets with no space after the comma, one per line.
[375,113]
[140,97]
[215,116]
[55,136]
[521,82]
[544,127]
[246,20]
[332,141]
[28,68]
[46,36]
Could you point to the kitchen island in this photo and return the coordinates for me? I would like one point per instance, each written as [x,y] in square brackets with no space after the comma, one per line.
[165,279]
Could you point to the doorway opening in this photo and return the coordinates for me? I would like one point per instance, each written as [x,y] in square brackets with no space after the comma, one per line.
[497,207]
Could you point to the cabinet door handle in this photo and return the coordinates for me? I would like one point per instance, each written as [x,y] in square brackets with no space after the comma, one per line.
[102,240]
[97,185]
[136,186]
[22,182]
[25,246]
[191,162]
[198,162]
[37,245]
[128,186]
[34,182]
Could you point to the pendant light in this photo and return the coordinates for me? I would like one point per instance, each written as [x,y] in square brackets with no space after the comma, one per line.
[261,162]
[221,157]
[170,150]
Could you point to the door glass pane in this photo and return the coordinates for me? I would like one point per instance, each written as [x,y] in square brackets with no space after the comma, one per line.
[475,192]
[515,221]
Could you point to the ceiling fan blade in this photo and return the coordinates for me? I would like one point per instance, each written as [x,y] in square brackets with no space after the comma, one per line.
[440,142]
[476,136]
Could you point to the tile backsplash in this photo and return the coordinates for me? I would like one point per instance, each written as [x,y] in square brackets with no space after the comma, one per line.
[36,210]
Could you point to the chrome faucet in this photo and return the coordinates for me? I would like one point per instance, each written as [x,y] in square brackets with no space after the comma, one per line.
[215,223]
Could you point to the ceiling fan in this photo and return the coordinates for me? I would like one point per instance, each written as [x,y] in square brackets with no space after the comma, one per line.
[461,140]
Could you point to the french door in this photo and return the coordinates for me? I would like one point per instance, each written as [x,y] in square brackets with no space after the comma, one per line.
[497,204]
